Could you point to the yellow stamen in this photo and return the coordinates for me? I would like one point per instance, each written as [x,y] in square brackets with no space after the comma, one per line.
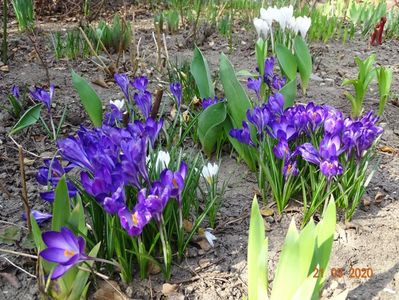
[69,253]
[174,181]
[135,218]
[289,167]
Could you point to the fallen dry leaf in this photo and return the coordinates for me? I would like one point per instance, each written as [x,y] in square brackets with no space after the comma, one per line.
[173,112]
[28,162]
[100,82]
[267,212]
[108,292]
[187,226]
[5,69]
[169,289]
[366,200]
[388,149]
[153,268]
[204,244]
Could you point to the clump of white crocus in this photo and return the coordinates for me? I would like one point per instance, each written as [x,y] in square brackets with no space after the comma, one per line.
[210,171]
[262,28]
[303,25]
[118,103]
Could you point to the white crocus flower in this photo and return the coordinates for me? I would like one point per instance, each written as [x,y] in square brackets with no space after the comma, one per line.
[210,237]
[210,171]
[269,15]
[163,160]
[284,16]
[262,28]
[118,103]
[292,25]
[303,25]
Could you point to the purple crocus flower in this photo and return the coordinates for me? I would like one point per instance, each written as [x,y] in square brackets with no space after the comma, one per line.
[156,200]
[40,217]
[206,102]
[259,117]
[175,180]
[134,222]
[144,102]
[15,91]
[278,82]
[316,115]
[43,96]
[152,129]
[331,168]
[282,150]
[123,82]
[72,150]
[334,122]
[114,203]
[309,153]
[63,248]
[290,169]
[254,85]
[176,90]
[330,146]
[276,103]
[140,83]
[269,67]
[242,135]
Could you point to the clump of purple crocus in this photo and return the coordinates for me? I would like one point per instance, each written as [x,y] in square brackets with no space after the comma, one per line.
[63,248]
[292,131]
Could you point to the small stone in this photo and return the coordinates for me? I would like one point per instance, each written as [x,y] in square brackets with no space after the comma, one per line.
[5,69]
[315,77]
[366,200]
[269,219]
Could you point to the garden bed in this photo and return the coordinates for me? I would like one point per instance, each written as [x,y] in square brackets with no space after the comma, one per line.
[370,240]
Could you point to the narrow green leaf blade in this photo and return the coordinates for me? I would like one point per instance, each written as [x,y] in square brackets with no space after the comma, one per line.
[30,117]
[61,205]
[90,100]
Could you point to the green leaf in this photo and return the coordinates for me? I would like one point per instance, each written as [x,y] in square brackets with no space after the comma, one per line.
[260,47]
[30,117]
[257,255]
[210,126]
[200,71]
[80,282]
[287,61]
[306,289]
[289,93]
[237,100]
[90,100]
[61,205]
[304,61]
[40,245]
[76,220]
[325,235]
[17,107]
[287,267]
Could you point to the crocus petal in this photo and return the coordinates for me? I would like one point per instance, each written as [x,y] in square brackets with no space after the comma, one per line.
[60,270]
[56,255]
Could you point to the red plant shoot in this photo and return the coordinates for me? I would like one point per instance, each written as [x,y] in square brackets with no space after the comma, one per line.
[376,37]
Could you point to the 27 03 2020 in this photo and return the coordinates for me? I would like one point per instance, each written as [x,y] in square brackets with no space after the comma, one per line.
[354,273]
